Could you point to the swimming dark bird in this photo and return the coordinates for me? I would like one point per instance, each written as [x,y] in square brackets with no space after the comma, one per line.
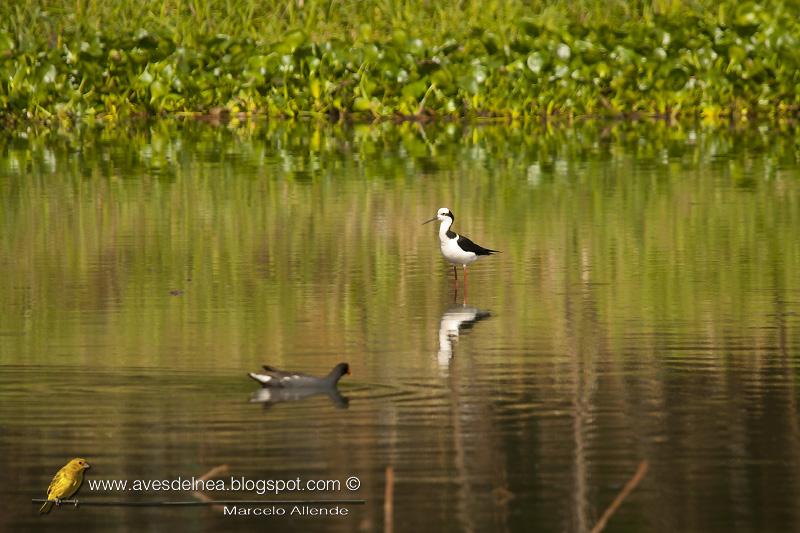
[457,249]
[272,377]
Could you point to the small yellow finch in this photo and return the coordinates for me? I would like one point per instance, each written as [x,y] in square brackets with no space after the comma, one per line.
[65,483]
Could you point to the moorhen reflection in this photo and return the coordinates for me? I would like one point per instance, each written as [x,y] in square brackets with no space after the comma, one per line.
[270,396]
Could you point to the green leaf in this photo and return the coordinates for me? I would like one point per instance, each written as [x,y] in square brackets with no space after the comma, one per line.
[362,104]
[415,90]
[536,62]
[6,42]
[49,75]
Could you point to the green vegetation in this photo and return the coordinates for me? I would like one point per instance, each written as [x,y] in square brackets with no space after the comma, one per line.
[370,60]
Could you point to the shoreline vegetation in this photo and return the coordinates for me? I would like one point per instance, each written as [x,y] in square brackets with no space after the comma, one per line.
[63,64]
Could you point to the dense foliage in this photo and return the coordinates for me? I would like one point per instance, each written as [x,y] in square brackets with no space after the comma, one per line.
[738,60]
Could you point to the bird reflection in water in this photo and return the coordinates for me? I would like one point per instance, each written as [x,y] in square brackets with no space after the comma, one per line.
[272,396]
[456,319]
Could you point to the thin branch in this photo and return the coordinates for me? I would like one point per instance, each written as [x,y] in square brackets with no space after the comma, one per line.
[195,503]
[388,501]
[214,472]
[626,490]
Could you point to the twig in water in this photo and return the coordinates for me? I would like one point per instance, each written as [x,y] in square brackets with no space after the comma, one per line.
[388,501]
[214,472]
[626,490]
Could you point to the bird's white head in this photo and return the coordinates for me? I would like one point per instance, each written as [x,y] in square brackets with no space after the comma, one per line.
[442,214]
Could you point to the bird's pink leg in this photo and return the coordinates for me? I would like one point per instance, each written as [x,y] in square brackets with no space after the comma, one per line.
[465,284]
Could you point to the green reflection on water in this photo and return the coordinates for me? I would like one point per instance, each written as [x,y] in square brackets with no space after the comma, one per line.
[281,226]
[649,276]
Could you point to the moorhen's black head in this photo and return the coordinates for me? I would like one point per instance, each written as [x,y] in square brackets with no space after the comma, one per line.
[341,369]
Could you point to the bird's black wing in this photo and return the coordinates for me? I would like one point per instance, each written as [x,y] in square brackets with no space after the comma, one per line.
[469,246]
[281,378]
[281,374]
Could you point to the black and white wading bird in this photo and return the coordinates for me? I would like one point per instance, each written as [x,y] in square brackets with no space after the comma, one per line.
[456,248]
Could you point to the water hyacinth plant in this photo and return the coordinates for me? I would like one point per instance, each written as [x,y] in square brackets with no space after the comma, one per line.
[387,61]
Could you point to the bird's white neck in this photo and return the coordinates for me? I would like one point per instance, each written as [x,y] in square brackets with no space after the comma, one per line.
[444,227]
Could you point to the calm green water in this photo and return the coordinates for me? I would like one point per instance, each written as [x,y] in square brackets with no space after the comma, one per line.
[646,306]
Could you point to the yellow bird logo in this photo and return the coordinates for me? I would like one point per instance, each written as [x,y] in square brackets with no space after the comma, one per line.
[65,483]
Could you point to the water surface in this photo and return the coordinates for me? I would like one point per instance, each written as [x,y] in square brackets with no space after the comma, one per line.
[646,306]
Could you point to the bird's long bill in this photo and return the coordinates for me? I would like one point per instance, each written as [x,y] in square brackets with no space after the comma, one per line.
[431,220]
